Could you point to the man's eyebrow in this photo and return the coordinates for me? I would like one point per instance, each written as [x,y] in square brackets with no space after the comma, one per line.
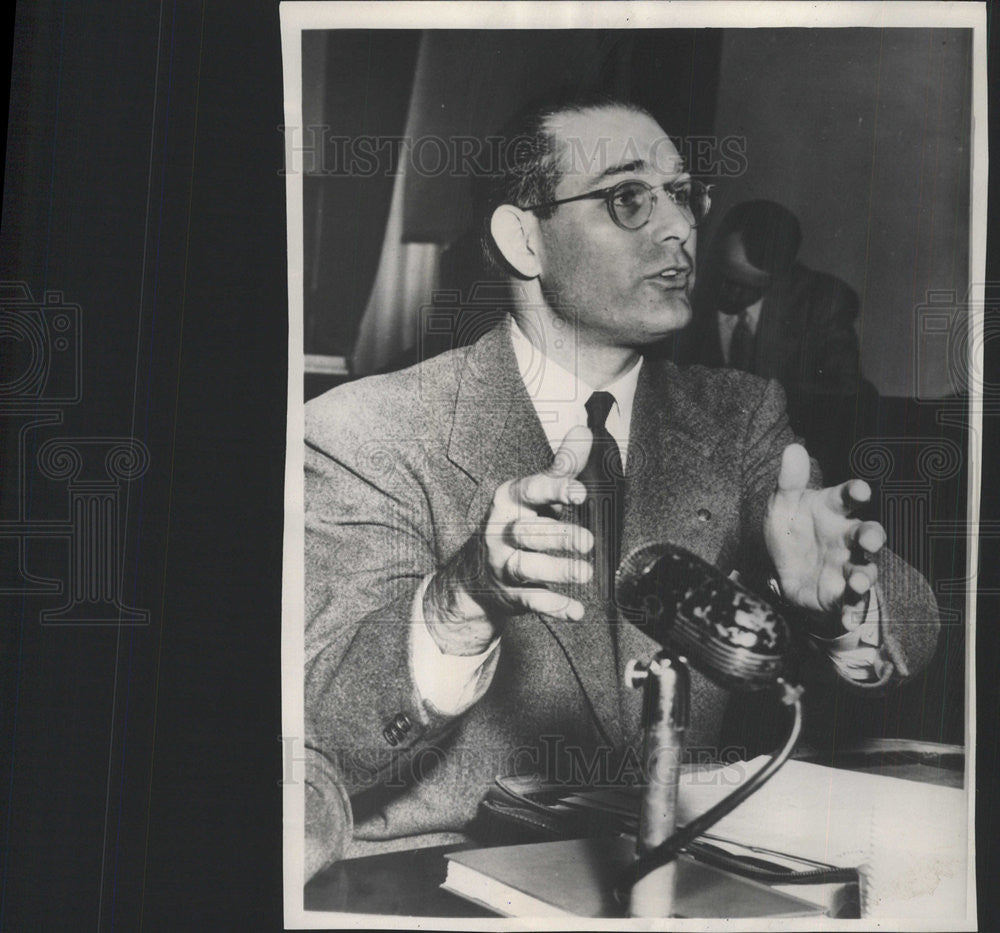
[634,165]
[623,168]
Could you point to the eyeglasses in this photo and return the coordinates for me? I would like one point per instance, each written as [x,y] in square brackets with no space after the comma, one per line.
[631,203]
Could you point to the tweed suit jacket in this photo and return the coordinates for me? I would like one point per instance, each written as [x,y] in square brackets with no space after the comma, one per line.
[402,468]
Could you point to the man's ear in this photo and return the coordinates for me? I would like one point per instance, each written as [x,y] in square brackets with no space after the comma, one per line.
[516,235]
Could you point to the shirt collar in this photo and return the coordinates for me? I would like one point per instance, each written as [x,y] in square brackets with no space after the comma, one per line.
[559,396]
[727,322]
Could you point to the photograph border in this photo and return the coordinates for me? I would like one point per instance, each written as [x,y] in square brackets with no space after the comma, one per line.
[298,16]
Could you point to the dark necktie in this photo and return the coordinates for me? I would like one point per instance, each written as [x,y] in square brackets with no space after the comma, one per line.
[603,509]
[741,345]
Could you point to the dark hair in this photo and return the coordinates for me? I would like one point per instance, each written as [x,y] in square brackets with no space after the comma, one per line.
[770,232]
[529,170]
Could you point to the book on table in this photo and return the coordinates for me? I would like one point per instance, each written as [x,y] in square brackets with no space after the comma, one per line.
[890,831]
[575,878]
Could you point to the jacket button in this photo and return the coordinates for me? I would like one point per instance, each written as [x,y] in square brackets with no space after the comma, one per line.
[394,730]
[704,515]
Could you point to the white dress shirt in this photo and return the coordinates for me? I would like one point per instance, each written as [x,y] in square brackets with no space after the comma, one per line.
[727,324]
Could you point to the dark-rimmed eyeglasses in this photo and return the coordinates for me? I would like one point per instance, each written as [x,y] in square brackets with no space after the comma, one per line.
[630,203]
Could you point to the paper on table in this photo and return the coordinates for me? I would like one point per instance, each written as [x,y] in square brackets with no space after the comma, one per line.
[908,838]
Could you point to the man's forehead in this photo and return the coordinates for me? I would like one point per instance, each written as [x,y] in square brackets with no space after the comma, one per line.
[611,141]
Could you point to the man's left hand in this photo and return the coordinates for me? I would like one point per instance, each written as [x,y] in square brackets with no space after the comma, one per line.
[824,557]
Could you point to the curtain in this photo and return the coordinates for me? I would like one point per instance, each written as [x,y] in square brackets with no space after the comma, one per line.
[405,281]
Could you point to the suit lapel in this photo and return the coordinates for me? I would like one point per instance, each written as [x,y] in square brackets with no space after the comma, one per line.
[669,463]
[671,494]
[496,436]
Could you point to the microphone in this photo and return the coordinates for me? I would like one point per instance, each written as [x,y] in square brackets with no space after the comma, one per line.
[729,633]
[735,638]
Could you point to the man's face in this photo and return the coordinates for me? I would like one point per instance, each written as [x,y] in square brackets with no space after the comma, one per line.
[621,288]
[741,283]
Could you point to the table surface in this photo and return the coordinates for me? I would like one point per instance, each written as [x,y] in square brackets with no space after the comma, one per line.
[407,883]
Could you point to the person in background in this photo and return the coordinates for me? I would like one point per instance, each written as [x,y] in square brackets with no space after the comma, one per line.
[760,310]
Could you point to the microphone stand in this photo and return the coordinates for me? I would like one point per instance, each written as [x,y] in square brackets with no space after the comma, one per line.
[734,638]
[666,699]
[650,880]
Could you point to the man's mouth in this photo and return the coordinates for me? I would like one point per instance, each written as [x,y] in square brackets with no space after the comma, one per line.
[673,277]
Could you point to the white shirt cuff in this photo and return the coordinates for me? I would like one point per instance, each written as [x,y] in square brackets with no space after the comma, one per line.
[447,684]
[858,654]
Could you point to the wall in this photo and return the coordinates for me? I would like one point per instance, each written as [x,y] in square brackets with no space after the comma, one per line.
[864,133]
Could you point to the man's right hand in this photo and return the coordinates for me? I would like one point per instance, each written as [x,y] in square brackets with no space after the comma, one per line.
[506,567]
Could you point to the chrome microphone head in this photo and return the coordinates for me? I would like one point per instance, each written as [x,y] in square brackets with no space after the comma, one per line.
[727,632]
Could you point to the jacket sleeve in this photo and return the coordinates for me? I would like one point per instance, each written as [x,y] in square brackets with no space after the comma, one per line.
[368,545]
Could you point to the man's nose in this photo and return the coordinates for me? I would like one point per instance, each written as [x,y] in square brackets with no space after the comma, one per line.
[669,221]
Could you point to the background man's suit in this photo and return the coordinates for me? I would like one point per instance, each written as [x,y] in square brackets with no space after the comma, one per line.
[400,470]
[805,336]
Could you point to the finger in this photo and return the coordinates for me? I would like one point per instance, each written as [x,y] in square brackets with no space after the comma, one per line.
[854,610]
[848,497]
[856,493]
[793,477]
[859,581]
[860,578]
[864,541]
[539,533]
[548,603]
[831,587]
[536,569]
[573,453]
[558,485]
[544,489]
[870,537]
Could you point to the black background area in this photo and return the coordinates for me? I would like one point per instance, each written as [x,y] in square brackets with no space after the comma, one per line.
[142,764]
[144,183]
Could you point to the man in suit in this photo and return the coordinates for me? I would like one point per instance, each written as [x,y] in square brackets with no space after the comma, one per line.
[458,618]
[758,309]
